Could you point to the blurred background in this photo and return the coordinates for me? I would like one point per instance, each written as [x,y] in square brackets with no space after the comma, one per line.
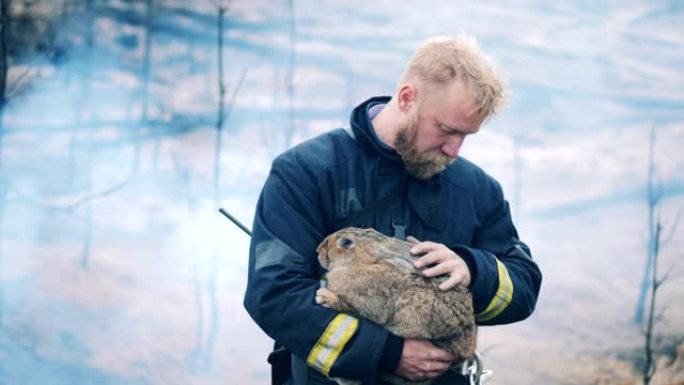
[125,125]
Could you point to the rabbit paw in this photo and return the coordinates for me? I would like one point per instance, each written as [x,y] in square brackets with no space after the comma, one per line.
[326,298]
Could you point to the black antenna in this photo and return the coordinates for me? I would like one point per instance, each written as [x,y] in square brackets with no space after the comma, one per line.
[237,223]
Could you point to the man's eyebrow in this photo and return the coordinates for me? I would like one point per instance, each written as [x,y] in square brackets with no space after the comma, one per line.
[455,129]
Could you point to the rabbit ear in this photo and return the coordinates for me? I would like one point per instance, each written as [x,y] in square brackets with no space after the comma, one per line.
[324,259]
[322,250]
[321,245]
[402,265]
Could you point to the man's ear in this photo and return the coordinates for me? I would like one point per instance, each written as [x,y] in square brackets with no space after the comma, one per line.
[406,97]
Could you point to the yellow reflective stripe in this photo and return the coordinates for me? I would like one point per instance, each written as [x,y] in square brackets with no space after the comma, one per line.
[502,298]
[332,341]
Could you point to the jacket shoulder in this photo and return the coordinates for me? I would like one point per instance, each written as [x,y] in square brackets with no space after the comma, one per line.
[319,153]
[466,175]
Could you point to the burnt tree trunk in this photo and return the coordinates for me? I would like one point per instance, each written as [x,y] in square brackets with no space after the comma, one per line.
[146,75]
[4,25]
[649,365]
[653,197]
[207,349]
[291,66]
[88,158]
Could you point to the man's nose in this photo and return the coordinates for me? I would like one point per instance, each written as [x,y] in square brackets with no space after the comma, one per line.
[451,147]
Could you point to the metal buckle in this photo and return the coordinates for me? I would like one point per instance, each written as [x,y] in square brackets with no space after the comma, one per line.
[472,369]
[399,231]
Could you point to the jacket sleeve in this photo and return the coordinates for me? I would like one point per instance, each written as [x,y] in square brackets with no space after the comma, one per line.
[506,281]
[284,276]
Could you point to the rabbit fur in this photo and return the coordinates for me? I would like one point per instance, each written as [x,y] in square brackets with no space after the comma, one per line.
[372,276]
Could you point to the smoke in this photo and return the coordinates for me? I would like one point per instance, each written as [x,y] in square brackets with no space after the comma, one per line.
[115,265]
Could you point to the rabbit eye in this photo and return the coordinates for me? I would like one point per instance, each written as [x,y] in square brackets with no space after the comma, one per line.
[346,243]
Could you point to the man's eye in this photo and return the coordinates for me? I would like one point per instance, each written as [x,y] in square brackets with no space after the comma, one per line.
[452,132]
[447,129]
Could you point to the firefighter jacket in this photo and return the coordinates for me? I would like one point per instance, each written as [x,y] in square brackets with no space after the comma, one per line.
[313,189]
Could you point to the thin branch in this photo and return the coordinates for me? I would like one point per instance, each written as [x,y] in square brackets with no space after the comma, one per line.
[221,102]
[14,89]
[233,96]
[649,366]
[221,80]
[672,269]
[662,279]
[656,285]
[95,196]
[4,42]
[4,70]
[17,82]
[652,200]
[674,226]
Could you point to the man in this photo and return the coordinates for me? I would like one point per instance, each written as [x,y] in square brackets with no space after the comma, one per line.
[395,169]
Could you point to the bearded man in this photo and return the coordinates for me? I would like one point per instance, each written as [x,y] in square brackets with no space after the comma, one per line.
[395,169]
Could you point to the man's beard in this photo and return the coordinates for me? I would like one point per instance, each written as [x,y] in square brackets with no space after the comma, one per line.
[422,165]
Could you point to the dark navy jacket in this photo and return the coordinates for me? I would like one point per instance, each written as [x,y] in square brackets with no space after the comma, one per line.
[310,192]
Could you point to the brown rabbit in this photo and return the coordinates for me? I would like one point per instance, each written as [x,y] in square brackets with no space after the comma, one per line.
[372,275]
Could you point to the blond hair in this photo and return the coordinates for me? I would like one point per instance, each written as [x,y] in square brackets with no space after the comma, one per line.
[442,59]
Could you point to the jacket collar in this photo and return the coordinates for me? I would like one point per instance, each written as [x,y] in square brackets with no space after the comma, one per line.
[425,197]
[365,133]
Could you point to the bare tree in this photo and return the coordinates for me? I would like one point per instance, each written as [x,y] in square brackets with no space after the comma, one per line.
[4,69]
[86,92]
[649,365]
[144,92]
[221,102]
[291,65]
[183,174]
[653,198]
[208,350]
[4,24]
[146,74]
[284,94]
[223,113]
[654,280]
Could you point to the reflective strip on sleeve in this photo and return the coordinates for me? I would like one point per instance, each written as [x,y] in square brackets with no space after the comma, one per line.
[502,298]
[332,341]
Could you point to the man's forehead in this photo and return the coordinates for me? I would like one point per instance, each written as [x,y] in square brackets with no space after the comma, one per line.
[463,118]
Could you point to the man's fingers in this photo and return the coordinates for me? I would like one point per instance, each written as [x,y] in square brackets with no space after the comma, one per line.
[451,282]
[438,259]
[437,366]
[421,360]
[423,247]
[426,260]
[412,239]
[435,369]
[436,270]
[442,356]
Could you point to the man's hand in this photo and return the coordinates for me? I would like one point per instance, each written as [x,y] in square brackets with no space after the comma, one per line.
[421,360]
[441,260]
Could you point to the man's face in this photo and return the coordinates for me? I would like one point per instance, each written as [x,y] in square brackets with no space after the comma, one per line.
[435,128]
